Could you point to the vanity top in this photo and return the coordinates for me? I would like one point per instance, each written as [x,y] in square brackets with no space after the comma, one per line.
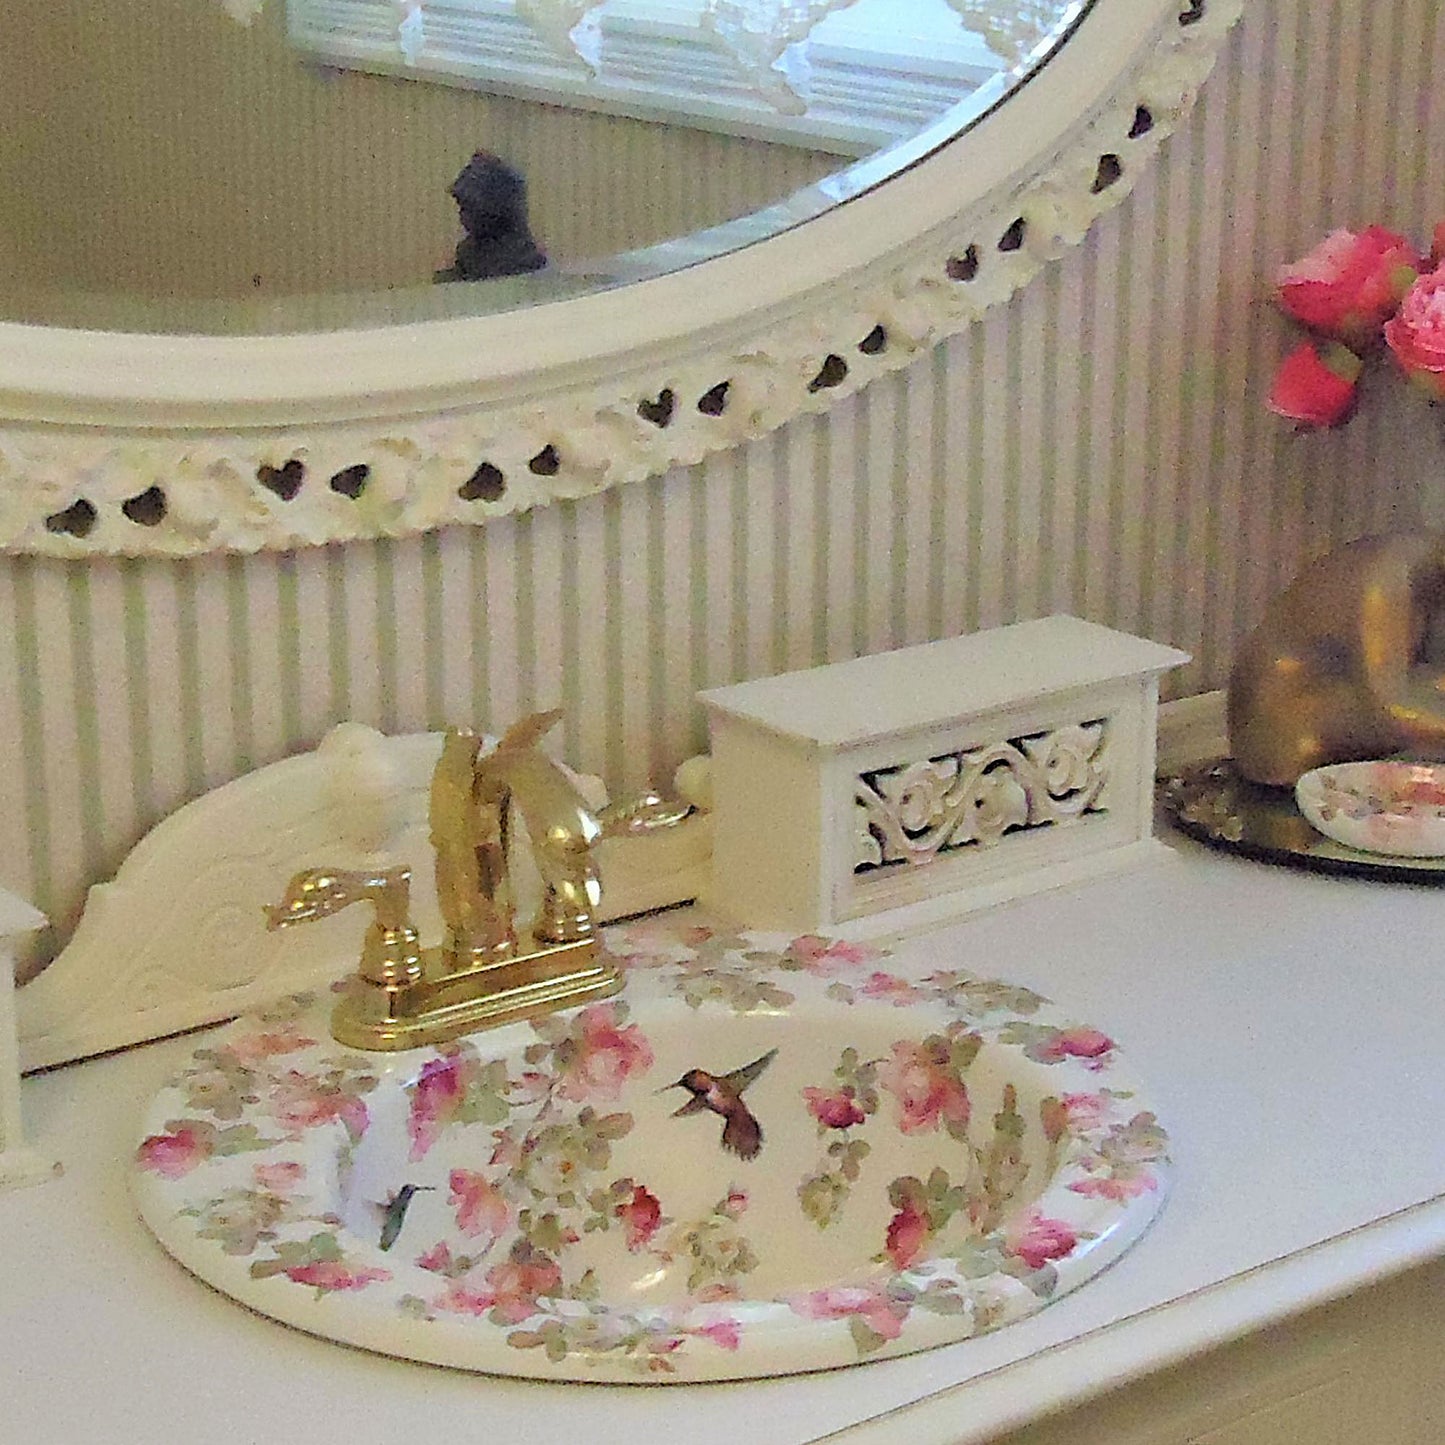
[1287,1027]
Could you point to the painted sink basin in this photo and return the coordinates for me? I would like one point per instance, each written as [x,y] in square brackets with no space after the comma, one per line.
[765,1156]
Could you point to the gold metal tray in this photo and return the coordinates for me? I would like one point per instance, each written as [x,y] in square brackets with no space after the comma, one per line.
[1212,803]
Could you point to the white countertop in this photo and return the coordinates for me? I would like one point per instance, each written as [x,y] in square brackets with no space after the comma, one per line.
[1288,1028]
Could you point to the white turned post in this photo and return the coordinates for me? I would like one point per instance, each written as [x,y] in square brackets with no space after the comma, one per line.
[18,1164]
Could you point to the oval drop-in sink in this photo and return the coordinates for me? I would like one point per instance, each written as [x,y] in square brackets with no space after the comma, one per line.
[765,1156]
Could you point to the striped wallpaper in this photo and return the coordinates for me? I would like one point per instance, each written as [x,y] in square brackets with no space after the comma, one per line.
[1098,446]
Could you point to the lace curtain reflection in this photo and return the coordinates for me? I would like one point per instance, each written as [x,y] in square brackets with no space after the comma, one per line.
[410,24]
[754,32]
[762,44]
[1010,30]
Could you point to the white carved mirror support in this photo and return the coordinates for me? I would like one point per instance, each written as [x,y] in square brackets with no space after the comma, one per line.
[134,444]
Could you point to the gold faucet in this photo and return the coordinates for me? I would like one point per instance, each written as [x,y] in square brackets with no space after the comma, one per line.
[486,971]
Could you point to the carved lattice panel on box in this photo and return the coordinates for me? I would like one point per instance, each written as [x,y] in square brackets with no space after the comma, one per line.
[919,783]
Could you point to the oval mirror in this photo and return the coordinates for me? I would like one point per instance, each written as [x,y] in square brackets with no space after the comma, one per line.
[155,423]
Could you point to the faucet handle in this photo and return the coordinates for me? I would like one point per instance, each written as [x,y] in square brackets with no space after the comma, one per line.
[391,951]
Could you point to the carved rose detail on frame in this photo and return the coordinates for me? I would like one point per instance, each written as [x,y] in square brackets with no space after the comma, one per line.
[912,812]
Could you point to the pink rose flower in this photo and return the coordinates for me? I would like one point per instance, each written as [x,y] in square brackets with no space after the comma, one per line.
[735,1205]
[517,1284]
[908,1231]
[878,1312]
[885,987]
[438,1259]
[1085,1111]
[435,1098]
[1077,1043]
[605,1056]
[1119,1187]
[465,1299]
[727,1334]
[479,1204]
[330,1275]
[278,1178]
[828,956]
[927,1090]
[1348,285]
[300,1102]
[253,1047]
[1417,334]
[174,1155]
[1036,1240]
[506,1149]
[1316,389]
[834,1110]
[641,1215]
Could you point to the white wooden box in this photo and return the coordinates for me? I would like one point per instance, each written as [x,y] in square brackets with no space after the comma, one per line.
[897,789]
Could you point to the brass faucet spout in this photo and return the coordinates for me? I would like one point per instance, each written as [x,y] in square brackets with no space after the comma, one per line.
[562,830]
[486,970]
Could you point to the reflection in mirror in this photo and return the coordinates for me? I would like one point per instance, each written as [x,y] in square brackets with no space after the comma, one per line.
[167,169]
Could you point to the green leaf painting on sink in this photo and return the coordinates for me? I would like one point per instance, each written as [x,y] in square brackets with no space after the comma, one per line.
[906,1158]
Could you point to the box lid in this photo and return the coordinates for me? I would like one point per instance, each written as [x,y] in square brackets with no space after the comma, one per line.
[845,703]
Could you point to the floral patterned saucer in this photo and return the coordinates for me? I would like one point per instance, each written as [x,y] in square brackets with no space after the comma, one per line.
[768,1156]
[1389,807]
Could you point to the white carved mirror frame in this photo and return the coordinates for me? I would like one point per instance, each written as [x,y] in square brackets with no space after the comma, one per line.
[138,444]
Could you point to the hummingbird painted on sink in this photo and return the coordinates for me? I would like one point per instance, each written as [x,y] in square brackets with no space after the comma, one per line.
[723,1094]
[393,1212]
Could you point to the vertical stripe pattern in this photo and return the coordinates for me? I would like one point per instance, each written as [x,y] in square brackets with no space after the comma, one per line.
[1097,446]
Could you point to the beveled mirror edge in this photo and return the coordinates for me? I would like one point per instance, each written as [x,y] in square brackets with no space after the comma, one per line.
[129,444]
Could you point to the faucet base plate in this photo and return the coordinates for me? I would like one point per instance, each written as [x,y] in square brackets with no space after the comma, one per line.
[446,1005]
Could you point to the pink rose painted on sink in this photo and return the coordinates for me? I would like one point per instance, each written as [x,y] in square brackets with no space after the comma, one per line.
[1120,1188]
[1085,1111]
[885,988]
[908,1231]
[641,1216]
[512,1288]
[1036,1240]
[601,1055]
[928,1090]
[174,1155]
[253,1048]
[278,1178]
[881,1314]
[330,1275]
[834,1108]
[437,1259]
[1077,1043]
[828,957]
[436,1097]
[300,1101]
[481,1208]
[725,1334]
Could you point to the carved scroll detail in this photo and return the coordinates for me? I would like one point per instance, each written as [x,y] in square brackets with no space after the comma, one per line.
[913,812]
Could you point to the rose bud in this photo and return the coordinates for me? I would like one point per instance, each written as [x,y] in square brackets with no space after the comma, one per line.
[1315,389]
[1417,334]
[1349,284]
